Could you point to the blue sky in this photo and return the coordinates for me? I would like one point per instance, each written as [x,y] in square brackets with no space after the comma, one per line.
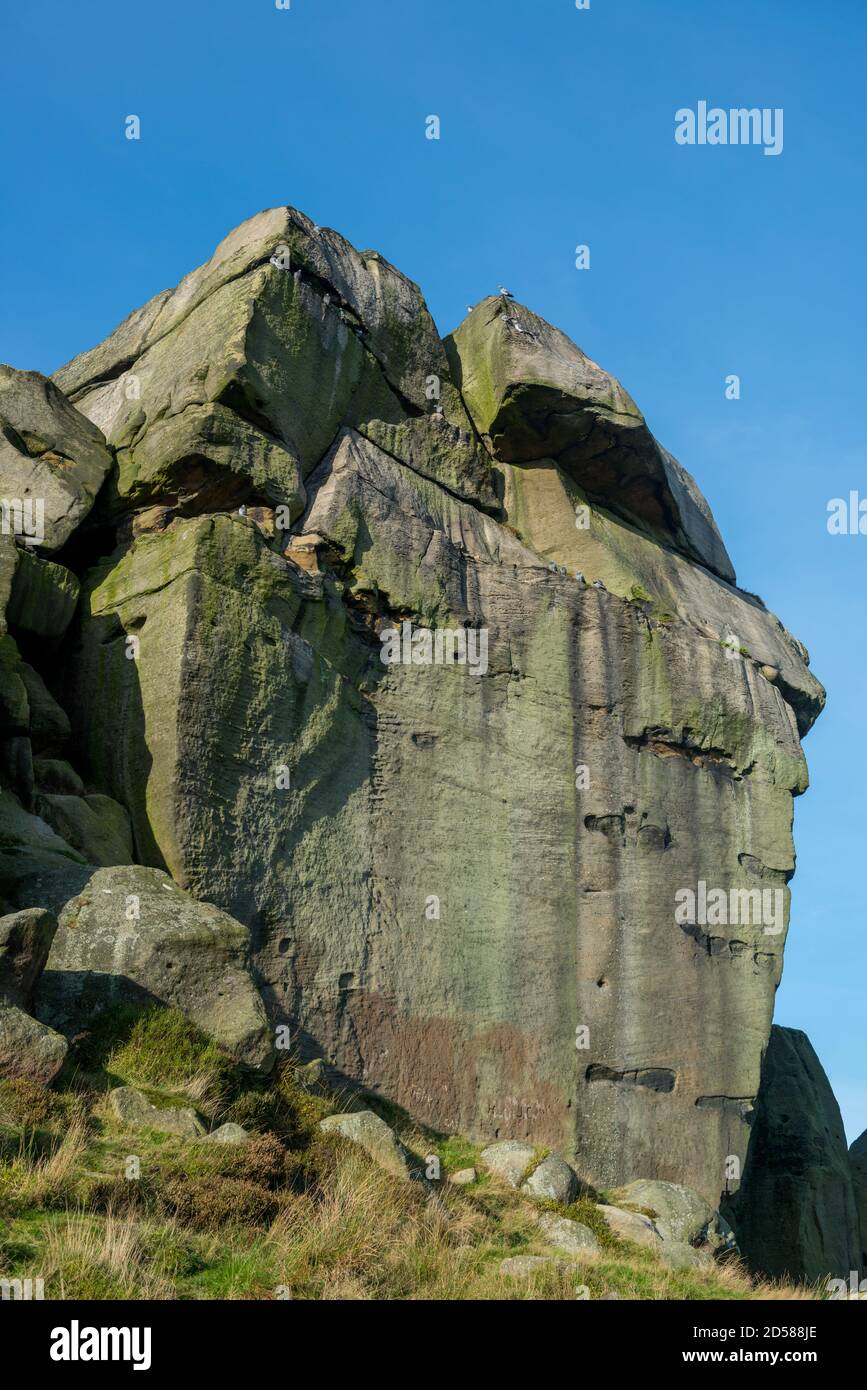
[557,129]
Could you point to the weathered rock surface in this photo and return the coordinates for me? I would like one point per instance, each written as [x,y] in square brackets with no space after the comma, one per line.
[373,1135]
[858,1165]
[25,940]
[552,1179]
[565,1234]
[28,1048]
[677,1254]
[228,1134]
[133,936]
[49,455]
[463,1177]
[634,1226]
[536,396]
[133,1109]
[684,1213]
[795,1213]
[452,871]
[509,1159]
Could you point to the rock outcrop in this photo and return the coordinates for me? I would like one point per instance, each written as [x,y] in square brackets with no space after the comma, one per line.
[466,872]
[858,1165]
[133,936]
[795,1213]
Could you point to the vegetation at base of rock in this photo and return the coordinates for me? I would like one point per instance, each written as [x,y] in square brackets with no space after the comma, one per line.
[291,1213]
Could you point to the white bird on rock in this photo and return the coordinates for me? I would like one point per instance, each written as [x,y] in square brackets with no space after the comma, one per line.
[507,294]
[597,584]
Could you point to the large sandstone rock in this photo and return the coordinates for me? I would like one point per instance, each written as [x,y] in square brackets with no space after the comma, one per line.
[682,1212]
[133,936]
[535,395]
[795,1213]
[232,386]
[25,940]
[50,455]
[29,1048]
[460,877]
[858,1165]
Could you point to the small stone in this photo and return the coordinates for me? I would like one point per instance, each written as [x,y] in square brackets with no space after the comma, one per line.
[524,1266]
[228,1134]
[463,1177]
[132,1108]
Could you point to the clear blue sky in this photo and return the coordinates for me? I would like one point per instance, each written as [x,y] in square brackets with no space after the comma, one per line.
[557,128]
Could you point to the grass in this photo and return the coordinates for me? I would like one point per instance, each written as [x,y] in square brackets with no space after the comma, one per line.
[292,1214]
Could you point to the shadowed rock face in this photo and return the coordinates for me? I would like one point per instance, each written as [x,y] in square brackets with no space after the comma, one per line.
[858,1165]
[795,1215]
[461,878]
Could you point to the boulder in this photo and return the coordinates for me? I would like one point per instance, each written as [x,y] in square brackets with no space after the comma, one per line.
[25,940]
[43,597]
[49,723]
[552,1179]
[28,1048]
[228,1134]
[50,456]
[133,1110]
[57,776]
[463,1177]
[684,1213]
[373,1135]
[634,1227]
[568,1235]
[794,1213]
[508,1159]
[858,1165]
[133,936]
[96,826]
[677,1254]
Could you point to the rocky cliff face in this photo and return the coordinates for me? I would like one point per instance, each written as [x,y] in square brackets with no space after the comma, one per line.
[796,1212]
[466,881]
